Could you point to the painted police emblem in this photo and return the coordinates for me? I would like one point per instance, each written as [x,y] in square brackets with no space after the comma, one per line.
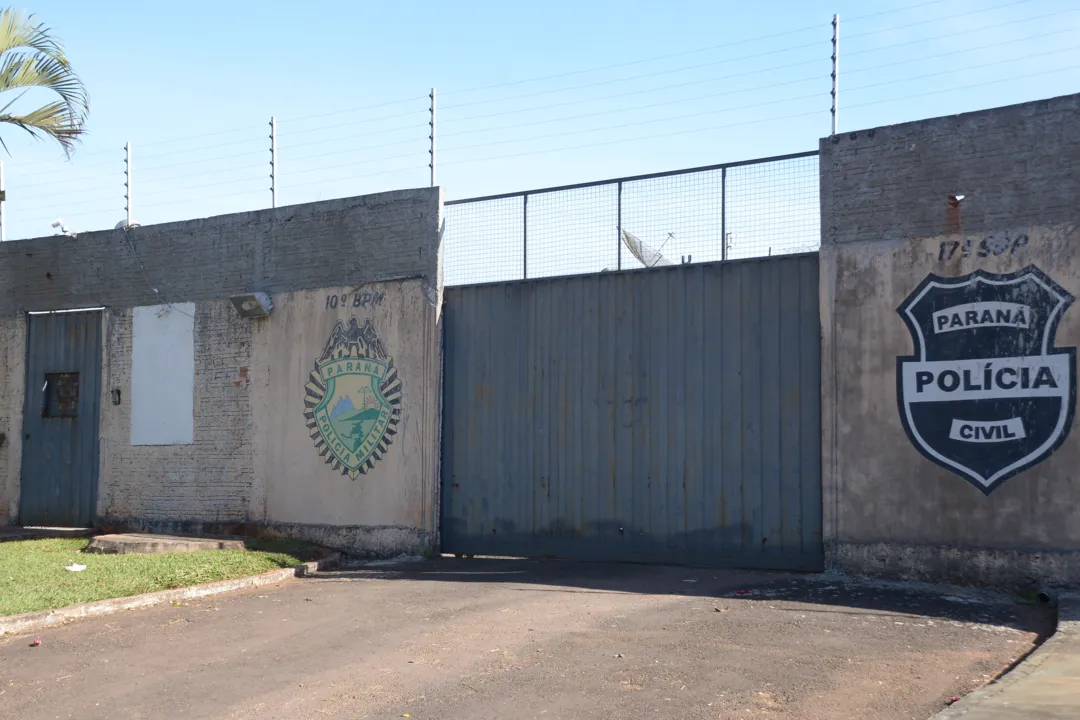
[353,400]
[986,394]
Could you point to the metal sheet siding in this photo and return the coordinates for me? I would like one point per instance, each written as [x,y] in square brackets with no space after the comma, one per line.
[60,455]
[668,415]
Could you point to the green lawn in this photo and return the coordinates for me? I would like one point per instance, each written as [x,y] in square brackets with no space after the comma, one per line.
[32,574]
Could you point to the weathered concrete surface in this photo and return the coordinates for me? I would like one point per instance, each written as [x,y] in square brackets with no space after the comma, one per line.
[254,460]
[301,488]
[1015,165]
[11,532]
[515,639]
[37,621]
[341,245]
[1046,686]
[212,478]
[323,244]
[121,544]
[12,380]
[376,541]
[887,222]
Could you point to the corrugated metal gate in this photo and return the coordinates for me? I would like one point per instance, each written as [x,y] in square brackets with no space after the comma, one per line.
[662,415]
[60,420]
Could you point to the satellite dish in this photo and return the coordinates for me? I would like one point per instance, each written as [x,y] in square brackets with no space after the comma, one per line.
[125,225]
[645,254]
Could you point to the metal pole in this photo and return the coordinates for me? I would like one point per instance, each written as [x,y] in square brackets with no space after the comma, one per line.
[3,199]
[273,161]
[723,214]
[431,137]
[835,71]
[525,238]
[619,223]
[127,181]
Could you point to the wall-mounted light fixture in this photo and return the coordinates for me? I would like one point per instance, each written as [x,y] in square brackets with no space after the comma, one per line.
[252,305]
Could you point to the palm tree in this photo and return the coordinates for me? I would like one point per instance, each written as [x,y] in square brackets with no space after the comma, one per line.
[32,59]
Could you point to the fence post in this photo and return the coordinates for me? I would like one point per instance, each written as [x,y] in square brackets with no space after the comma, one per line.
[431,137]
[723,214]
[128,181]
[618,222]
[525,237]
[273,161]
[835,71]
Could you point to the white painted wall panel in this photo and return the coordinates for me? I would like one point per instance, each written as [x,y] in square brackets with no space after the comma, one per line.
[163,375]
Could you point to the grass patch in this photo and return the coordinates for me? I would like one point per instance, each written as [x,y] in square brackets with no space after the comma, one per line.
[32,574]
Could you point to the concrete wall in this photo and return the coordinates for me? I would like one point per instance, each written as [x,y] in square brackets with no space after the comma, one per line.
[891,217]
[253,458]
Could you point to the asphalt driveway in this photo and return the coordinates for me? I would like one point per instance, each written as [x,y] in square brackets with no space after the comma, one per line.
[463,639]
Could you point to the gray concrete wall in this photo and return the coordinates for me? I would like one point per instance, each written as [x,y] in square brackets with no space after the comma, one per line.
[887,222]
[323,244]
[253,459]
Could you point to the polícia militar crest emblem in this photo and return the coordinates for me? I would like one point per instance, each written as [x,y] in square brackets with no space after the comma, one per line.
[353,400]
[986,394]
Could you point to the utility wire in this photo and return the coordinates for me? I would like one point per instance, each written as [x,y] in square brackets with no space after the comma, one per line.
[753,105]
[214,171]
[203,160]
[713,128]
[205,147]
[696,51]
[634,77]
[415,98]
[339,138]
[664,103]
[952,36]
[207,197]
[151,193]
[713,95]
[644,91]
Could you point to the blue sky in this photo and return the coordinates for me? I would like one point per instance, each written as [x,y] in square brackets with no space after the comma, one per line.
[530,94]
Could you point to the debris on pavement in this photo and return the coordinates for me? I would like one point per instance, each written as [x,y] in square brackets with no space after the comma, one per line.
[36,643]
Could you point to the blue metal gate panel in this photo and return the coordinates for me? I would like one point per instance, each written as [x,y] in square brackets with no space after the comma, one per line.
[60,420]
[665,415]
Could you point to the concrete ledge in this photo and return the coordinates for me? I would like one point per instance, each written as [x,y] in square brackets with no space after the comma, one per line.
[30,622]
[12,533]
[377,542]
[1015,694]
[1011,569]
[149,544]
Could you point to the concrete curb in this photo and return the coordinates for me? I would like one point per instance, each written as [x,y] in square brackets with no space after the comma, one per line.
[1067,633]
[30,622]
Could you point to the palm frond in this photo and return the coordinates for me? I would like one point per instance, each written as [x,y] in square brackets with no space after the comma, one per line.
[20,29]
[25,70]
[52,120]
[30,57]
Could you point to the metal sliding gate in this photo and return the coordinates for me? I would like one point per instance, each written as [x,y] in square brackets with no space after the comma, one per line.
[663,415]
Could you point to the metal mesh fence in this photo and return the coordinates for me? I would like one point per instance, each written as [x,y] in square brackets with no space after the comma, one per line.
[737,210]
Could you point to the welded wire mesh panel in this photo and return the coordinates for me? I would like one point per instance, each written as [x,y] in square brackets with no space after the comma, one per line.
[741,210]
[484,241]
[573,231]
[772,208]
[672,219]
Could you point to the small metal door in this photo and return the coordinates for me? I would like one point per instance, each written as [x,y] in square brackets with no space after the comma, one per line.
[60,419]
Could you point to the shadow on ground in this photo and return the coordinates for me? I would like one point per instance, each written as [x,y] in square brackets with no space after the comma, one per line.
[824,593]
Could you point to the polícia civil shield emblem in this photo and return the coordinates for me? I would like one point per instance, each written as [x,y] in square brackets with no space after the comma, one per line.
[986,394]
[353,400]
